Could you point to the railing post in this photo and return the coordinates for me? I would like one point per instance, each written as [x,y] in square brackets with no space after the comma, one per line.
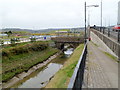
[103,30]
[100,29]
[108,32]
[119,36]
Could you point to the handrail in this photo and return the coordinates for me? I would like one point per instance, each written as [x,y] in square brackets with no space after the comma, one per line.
[77,77]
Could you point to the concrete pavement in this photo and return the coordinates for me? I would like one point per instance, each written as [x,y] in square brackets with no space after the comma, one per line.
[101,71]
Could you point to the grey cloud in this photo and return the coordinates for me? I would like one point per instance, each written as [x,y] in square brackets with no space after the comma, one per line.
[53,13]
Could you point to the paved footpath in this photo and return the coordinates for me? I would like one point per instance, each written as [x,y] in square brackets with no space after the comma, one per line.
[101,71]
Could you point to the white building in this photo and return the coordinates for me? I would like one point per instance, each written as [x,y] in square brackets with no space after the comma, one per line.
[118,13]
[3,35]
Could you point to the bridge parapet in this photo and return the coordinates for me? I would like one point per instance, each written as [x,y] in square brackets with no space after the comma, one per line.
[68,39]
[112,44]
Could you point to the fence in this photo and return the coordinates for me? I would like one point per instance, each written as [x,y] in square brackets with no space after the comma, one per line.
[77,77]
[113,45]
[114,34]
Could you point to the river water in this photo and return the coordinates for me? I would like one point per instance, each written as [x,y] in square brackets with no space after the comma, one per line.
[42,77]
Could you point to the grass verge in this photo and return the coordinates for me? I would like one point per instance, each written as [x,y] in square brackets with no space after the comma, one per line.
[62,77]
[111,56]
[95,44]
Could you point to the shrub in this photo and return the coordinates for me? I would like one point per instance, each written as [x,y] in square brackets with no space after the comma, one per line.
[1,42]
[35,46]
[5,53]
[32,39]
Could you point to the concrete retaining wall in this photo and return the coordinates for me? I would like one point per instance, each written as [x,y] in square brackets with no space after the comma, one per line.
[105,43]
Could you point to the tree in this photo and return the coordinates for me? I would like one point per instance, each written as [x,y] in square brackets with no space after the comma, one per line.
[1,42]
[12,40]
[8,33]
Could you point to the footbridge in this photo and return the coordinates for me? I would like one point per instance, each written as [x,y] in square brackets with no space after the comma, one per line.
[98,64]
[61,41]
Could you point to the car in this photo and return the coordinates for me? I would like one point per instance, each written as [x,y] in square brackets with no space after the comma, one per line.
[116,28]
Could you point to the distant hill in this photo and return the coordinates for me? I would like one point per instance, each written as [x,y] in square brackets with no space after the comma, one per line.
[39,31]
[15,29]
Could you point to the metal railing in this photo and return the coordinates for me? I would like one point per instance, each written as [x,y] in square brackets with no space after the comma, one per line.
[77,77]
[109,32]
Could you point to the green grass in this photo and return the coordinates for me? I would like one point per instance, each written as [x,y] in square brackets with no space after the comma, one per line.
[95,44]
[64,30]
[62,77]
[111,56]
[23,48]
[19,44]
[23,43]
[18,63]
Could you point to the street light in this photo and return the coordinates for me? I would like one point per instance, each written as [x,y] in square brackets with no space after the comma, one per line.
[101,16]
[92,6]
[89,12]
[85,16]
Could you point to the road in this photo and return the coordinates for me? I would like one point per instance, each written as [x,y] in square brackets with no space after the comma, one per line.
[113,34]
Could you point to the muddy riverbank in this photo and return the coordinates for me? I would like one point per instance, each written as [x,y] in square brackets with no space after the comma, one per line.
[23,75]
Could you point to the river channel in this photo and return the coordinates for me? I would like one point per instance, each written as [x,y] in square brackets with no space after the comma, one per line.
[42,76]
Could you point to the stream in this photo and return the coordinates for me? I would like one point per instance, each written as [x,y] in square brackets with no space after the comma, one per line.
[41,77]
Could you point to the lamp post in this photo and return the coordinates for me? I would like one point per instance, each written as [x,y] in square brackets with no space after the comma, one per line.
[85,18]
[85,22]
[101,16]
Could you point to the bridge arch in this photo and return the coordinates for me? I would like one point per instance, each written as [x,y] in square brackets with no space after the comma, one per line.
[60,42]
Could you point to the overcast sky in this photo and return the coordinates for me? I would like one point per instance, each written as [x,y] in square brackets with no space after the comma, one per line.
[38,14]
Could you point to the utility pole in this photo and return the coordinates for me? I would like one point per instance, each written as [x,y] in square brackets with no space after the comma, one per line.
[85,22]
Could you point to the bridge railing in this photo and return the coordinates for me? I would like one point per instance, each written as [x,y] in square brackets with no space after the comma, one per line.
[77,77]
[114,34]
